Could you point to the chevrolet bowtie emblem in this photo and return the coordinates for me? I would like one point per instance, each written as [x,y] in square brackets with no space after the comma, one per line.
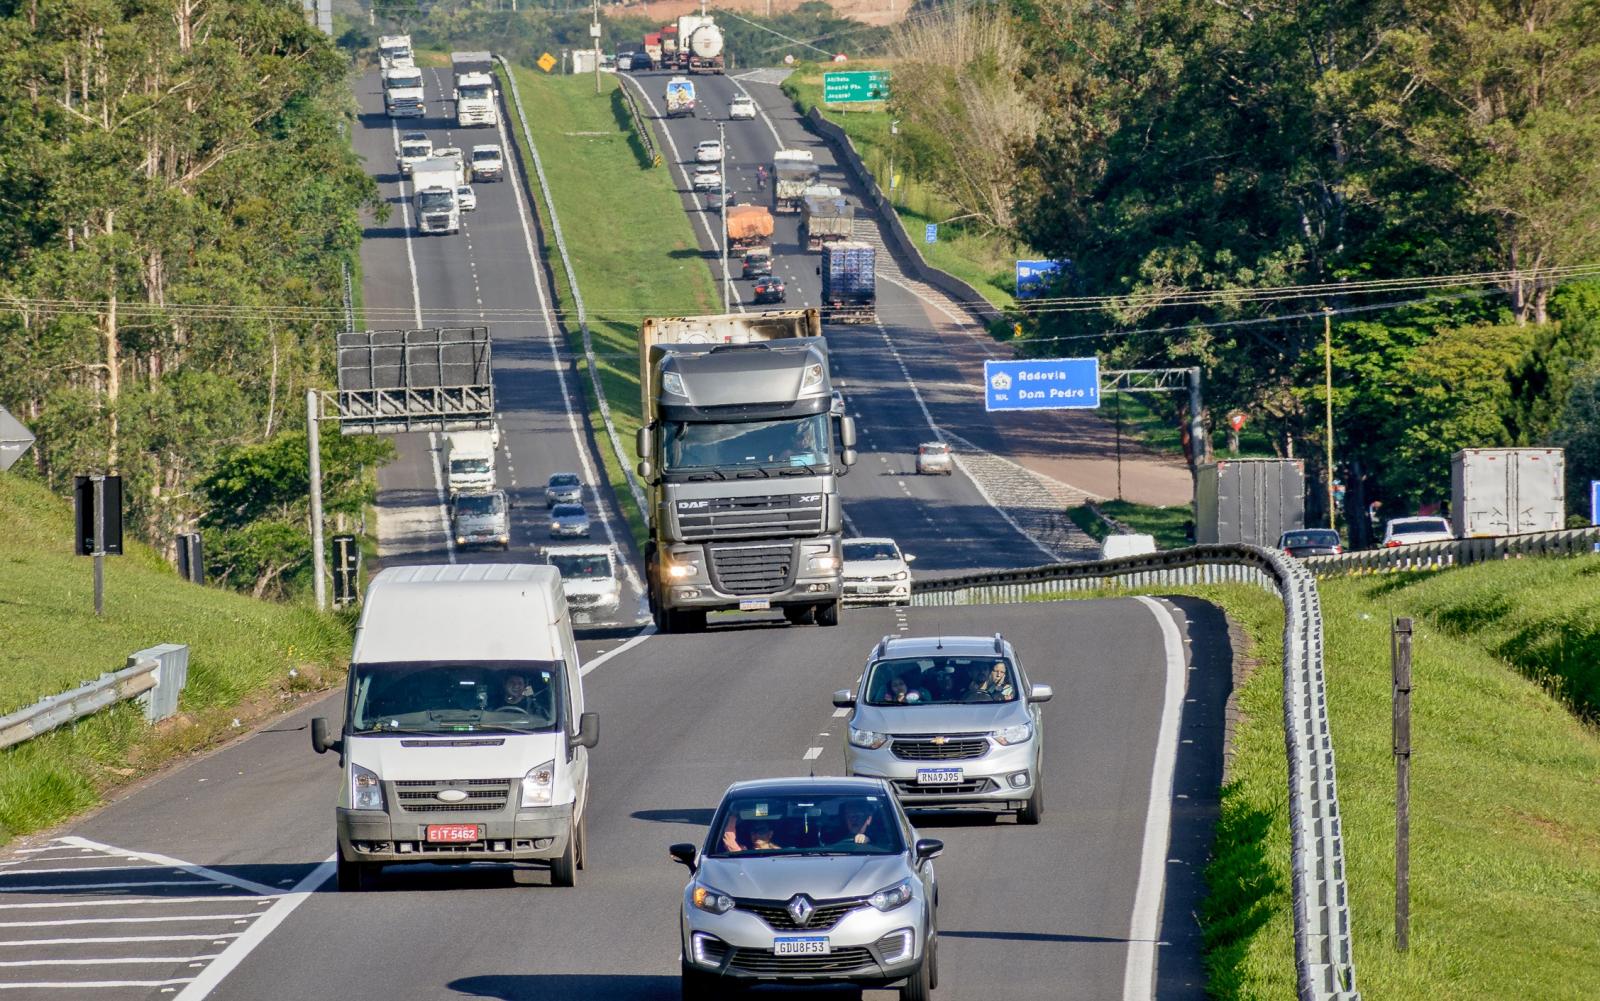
[800,908]
[941,740]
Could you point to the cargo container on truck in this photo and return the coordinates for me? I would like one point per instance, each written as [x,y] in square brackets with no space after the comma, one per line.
[826,218]
[669,47]
[680,97]
[1250,501]
[465,735]
[1506,491]
[474,89]
[403,94]
[742,454]
[748,226]
[394,52]
[652,49]
[436,207]
[849,282]
[468,461]
[699,44]
[793,170]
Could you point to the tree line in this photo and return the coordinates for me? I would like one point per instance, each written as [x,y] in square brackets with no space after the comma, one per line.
[179,194]
[1167,147]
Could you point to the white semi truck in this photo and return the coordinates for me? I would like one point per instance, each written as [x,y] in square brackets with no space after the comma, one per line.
[474,89]
[700,44]
[436,207]
[394,51]
[403,94]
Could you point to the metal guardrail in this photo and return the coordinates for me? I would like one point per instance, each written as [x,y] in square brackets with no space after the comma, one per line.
[155,676]
[623,458]
[1324,958]
[645,137]
[1461,552]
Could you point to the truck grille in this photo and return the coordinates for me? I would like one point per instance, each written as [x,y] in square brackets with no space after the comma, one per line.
[776,913]
[483,795]
[752,569]
[751,518]
[924,749]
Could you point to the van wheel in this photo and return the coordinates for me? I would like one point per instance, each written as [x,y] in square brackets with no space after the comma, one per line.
[354,877]
[583,842]
[564,868]
[828,613]
[1033,811]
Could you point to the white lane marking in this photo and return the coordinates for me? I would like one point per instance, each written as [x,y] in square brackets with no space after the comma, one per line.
[130,921]
[435,457]
[140,901]
[405,218]
[118,938]
[233,955]
[78,868]
[638,637]
[106,962]
[840,712]
[169,861]
[96,983]
[198,884]
[524,211]
[44,848]
[812,753]
[1138,981]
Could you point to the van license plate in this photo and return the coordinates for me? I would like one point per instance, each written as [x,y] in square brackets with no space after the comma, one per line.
[452,832]
[754,605]
[815,945]
[938,776]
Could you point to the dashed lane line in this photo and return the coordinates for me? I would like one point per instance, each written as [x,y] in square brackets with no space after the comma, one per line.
[812,754]
[79,984]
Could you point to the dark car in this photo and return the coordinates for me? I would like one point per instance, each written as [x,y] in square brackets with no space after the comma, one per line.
[757,265]
[769,289]
[1311,542]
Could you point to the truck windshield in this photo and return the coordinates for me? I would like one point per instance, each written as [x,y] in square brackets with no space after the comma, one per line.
[485,155]
[415,149]
[475,93]
[455,697]
[436,200]
[410,81]
[481,504]
[582,567]
[799,441]
[466,467]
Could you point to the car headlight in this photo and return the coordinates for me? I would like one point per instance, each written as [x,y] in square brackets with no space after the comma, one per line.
[539,785]
[900,575]
[870,739]
[711,900]
[890,897]
[505,540]
[1014,734]
[461,540]
[554,525]
[366,791]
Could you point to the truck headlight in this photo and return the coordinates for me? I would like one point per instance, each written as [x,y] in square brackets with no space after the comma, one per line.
[890,897]
[870,739]
[821,563]
[366,791]
[711,900]
[812,379]
[672,384]
[539,785]
[461,540]
[681,571]
[1018,734]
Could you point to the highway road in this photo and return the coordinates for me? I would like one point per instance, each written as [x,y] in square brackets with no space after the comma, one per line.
[213,880]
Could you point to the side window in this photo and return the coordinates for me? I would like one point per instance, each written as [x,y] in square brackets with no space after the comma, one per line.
[569,656]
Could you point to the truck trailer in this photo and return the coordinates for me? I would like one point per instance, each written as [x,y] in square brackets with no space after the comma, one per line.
[1507,491]
[849,282]
[748,226]
[394,52]
[826,218]
[473,73]
[700,44]
[793,171]
[1249,501]
[742,454]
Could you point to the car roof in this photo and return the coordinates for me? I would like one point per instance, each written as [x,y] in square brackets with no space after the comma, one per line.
[1411,519]
[823,786]
[934,444]
[485,148]
[872,538]
[557,476]
[592,549]
[954,646]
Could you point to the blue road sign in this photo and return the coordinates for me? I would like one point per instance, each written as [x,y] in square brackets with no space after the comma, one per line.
[931,234]
[1033,275]
[1042,384]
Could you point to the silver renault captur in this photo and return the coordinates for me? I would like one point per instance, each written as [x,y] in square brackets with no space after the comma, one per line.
[949,721]
[808,881]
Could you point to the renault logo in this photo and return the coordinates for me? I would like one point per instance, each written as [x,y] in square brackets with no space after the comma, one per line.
[450,795]
[800,908]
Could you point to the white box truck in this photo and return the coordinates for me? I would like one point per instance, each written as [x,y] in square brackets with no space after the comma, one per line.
[1506,491]
[465,736]
[474,89]
[469,461]
[437,209]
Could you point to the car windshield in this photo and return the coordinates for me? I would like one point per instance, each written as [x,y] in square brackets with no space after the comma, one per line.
[480,155]
[1324,537]
[940,680]
[933,449]
[1418,527]
[568,511]
[415,149]
[581,567]
[564,480]
[455,697]
[480,504]
[871,551]
[799,441]
[801,823]
[435,199]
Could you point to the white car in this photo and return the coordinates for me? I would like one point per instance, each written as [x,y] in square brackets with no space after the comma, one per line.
[415,147]
[876,572]
[487,163]
[707,177]
[466,198]
[709,151]
[742,108]
[1414,531]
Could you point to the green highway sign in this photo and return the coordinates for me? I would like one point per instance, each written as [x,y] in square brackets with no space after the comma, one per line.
[856,85]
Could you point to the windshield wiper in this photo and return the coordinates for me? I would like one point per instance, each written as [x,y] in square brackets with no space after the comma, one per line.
[402,730]
[700,473]
[749,473]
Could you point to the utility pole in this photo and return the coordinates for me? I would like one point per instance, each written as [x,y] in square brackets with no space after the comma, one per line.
[1400,657]
[722,209]
[319,587]
[1327,388]
[594,33]
[1197,429]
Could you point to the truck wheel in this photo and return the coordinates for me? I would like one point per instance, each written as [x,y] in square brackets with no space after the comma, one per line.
[564,868]
[690,620]
[799,615]
[354,877]
[828,613]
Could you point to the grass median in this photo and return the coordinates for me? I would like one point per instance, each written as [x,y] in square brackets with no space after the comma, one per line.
[632,247]
[247,659]
[1505,823]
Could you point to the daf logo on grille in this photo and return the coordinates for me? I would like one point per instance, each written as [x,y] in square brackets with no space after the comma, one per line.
[940,740]
[682,505]
[801,908]
[450,795]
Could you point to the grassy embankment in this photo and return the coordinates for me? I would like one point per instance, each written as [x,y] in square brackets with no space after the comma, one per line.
[632,246]
[241,654]
[1165,523]
[1505,823]
[985,261]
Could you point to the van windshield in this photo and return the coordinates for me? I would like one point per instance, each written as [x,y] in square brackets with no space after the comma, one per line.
[575,567]
[448,697]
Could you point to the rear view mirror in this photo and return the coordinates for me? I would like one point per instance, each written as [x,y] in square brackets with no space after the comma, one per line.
[847,432]
[842,699]
[1041,693]
[646,470]
[588,730]
[909,557]
[319,737]
[683,854]
[644,442]
[929,848]
[848,457]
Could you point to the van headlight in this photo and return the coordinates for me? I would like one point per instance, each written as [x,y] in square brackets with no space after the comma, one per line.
[870,739]
[366,791]
[711,900]
[539,785]
[890,897]
[1018,734]
[900,575]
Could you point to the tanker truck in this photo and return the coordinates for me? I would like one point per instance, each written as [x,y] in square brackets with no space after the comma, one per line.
[741,453]
[699,44]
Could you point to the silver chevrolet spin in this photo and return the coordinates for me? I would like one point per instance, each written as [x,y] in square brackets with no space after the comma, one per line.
[810,881]
[949,721]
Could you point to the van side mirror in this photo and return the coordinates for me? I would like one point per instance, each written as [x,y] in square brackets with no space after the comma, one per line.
[684,854]
[842,699]
[588,730]
[1041,693]
[929,848]
[319,737]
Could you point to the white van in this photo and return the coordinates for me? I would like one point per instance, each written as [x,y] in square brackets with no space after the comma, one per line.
[465,737]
